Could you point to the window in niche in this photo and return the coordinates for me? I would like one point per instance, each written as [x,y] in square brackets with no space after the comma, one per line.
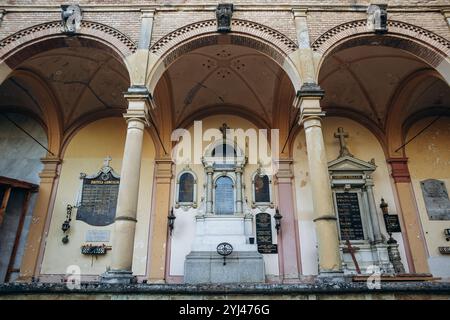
[187,190]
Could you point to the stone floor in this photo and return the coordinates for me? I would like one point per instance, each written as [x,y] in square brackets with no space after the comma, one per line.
[316,291]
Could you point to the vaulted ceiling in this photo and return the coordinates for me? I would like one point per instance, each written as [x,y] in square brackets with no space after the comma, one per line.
[369,79]
[222,77]
[82,80]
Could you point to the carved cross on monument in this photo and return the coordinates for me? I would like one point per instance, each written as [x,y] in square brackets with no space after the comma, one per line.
[106,161]
[341,135]
[224,129]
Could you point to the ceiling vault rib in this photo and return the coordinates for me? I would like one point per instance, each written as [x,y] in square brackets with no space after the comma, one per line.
[185,106]
[87,85]
[362,88]
[254,93]
[404,83]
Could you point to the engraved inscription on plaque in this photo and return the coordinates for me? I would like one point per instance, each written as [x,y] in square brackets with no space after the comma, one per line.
[436,199]
[99,199]
[98,235]
[264,234]
[392,223]
[224,196]
[349,216]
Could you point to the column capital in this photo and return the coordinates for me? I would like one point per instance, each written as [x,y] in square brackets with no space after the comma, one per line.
[140,102]
[310,90]
[399,169]
[309,97]
[139,93]
[148,13]
[446,13]
[299,12]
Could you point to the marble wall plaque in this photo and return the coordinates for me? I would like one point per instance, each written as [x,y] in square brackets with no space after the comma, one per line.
[98,235]
[99,200]
[436,199]
[264,233]
[350,222]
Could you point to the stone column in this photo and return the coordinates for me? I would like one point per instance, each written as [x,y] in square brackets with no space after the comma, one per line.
[378,238]
[325,218]
[288,237]
[160,211]
[209,190]
[125,222]
[239,191]
[36,236]
[412,228]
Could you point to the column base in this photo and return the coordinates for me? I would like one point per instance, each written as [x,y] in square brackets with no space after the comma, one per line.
[332,277]
[118,277]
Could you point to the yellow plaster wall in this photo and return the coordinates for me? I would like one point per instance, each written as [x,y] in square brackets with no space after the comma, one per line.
[429,158]
[85,153]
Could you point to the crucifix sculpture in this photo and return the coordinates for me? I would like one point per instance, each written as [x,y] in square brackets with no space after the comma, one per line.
[341,135]
[106,161]
[224,129]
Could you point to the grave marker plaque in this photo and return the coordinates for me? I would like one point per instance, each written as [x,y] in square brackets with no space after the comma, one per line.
[99,198]
[264,234]
[436,199]
[349,216]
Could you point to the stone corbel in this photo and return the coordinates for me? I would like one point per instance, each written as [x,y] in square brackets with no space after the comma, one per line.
[377,18]
[71,16]
[224,12]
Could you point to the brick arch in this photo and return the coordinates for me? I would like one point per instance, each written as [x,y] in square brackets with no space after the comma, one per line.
[428,46]
[49,36]
[204,33]
[277,39]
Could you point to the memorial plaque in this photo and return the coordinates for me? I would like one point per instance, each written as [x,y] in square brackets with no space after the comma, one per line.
[349,216]
[264,234]
[224,196]
[99,199]
[392,223]
[436,199]
[98,235]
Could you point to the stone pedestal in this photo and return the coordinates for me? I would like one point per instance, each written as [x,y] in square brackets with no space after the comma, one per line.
[204,265]
[208,267]
[117,277]
[367,255]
